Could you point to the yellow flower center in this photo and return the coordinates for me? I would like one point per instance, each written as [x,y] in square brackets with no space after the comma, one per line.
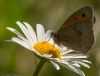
[47,48]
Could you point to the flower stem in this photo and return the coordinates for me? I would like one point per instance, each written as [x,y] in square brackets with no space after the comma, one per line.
[39,67]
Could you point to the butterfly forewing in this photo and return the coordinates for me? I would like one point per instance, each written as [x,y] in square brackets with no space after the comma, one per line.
[77,31]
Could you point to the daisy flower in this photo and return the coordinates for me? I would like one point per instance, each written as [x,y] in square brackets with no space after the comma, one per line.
[43,46]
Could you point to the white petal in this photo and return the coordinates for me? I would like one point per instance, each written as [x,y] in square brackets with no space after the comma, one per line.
[14,31]
[55,65]
[19,34]
[47,55]
[73,68]
[81,73]
[58,46]
[73,56]
[66,52]
[77,54]
[48,35]
[31,32]
[55,59]
[51,41]
[40,33]
[83,64]
[64,49]
[77,65]
[20,42]
[25,40]
[86,61]
[25,31]
[68,66]
[36,52]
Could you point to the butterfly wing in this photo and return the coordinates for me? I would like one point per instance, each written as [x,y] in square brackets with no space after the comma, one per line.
[77,31]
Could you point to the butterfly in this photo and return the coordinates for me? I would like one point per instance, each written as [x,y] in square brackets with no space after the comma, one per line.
[77,31]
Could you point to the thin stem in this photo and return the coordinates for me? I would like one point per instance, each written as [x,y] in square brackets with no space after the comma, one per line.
[39,67]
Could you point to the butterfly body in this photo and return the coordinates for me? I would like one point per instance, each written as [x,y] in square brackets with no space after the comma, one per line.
[77,31]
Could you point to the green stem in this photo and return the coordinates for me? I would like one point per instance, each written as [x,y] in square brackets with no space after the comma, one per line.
[39,67]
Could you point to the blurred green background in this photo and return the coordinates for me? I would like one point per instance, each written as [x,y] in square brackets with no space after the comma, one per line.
[14,59]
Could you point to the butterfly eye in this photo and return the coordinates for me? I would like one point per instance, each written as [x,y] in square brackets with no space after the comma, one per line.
[83,15]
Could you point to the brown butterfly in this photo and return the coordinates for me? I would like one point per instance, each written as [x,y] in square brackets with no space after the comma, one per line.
[77,31]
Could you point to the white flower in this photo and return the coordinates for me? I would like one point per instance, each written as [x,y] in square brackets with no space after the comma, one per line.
[43,46]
